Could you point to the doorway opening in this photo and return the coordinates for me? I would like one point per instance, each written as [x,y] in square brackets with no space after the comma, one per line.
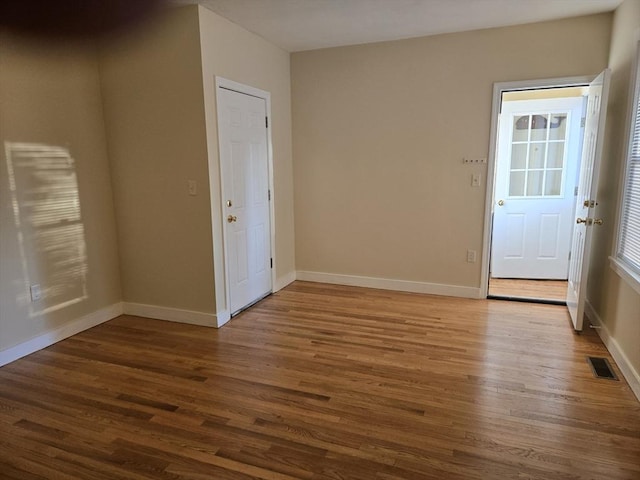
[541,170]
[537,157]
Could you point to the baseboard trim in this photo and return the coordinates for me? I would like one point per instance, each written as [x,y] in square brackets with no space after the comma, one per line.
[65,331]
[390,284]
[285,280]
[171,314]
[630,374]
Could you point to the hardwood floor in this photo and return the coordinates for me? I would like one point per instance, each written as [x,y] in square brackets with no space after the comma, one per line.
[323,382]
[555,290]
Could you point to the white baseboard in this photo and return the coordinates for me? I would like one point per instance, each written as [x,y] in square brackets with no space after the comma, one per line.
[49,338]
[283,281]
[630,374]
[390,284]
[172,314]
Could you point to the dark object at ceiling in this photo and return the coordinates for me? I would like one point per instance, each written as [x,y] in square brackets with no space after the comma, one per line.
[72,18]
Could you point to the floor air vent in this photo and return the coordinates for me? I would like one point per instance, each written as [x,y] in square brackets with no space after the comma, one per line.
[601,368]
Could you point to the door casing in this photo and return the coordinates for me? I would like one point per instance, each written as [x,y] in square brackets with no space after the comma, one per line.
[498,89]
[220,269]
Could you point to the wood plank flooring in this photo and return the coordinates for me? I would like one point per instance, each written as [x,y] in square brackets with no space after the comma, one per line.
[522,288]
[323,382]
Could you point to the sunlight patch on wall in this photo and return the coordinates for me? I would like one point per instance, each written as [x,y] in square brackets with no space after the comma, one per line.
[51,237]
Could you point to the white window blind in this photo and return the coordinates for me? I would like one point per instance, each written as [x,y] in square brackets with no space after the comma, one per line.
[628,250]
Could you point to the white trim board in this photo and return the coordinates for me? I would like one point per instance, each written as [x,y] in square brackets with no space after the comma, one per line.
[65,331]
[174,314]
[390,284]
[630,374]
[625,273]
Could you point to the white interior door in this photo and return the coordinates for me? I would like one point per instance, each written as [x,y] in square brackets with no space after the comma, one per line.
[585,201]
[242,134]
[538,150]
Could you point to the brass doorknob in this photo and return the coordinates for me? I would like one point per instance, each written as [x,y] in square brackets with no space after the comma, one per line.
[500,202]
[598,221]
[231,218]
[581,220]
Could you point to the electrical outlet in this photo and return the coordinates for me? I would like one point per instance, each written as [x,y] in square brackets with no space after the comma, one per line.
[36,293]
[471,256]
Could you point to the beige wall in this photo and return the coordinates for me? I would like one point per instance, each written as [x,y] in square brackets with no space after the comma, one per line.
[154,112]
[617,304]
[159,97]
[379,133]
[236,54]
[50,100]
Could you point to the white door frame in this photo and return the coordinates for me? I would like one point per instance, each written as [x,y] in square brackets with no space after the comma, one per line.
[219,232]
[498,89]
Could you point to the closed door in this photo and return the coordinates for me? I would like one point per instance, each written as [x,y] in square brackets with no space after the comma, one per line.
[538,150]
[586,202]
[244,169]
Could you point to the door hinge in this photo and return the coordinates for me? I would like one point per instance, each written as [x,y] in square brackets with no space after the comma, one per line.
[271,262]
[269,195]
[266,122]
[583,122]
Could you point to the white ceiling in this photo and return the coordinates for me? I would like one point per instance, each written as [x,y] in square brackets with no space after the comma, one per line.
[296,25]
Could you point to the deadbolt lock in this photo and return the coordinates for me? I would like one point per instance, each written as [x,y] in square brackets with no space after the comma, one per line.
[501,202]
[229,204]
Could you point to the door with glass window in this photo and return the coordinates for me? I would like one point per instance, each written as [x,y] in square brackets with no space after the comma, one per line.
[538,146]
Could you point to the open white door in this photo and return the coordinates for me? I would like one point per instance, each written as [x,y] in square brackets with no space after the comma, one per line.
[585,201]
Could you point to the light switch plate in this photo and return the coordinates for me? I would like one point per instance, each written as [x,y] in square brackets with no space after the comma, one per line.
[193,187]
[36,293]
